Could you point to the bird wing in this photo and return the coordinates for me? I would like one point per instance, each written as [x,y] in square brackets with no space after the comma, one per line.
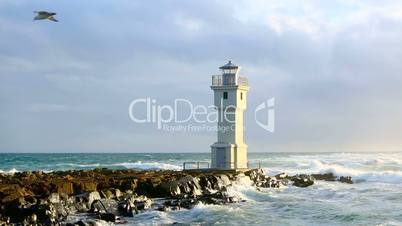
[40,17]
[41,12]
[52,19]
[45,13]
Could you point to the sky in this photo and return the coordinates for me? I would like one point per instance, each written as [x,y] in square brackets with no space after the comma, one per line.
[333,67]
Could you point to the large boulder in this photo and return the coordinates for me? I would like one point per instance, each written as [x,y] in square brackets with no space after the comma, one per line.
[111,194]
[345,179]
[132,204]
[221,181]
[302,180]
[185,186]
[255,174]
[88,198]
[105,206]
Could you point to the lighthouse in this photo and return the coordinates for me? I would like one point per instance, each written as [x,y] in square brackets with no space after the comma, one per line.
[230,99]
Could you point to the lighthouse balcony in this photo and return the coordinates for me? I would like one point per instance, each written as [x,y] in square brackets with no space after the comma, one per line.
[229,80]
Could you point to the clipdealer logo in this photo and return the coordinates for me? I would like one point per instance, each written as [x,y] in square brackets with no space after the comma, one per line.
[266,107]
[162,115]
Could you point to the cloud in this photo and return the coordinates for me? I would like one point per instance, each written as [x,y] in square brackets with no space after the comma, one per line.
[40,107]
[189,24]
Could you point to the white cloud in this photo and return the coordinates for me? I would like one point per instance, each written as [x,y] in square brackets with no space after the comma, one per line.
[189,24]
[285,23]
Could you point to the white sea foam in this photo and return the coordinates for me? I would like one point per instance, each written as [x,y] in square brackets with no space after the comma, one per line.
[77,217]
[391,177]
[79,165]
[11,171]
[147,165]
[358,175]
[240,190]
[127,165]
[361,168]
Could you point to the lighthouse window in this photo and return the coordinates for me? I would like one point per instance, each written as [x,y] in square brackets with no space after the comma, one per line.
[225,95]
[241,96]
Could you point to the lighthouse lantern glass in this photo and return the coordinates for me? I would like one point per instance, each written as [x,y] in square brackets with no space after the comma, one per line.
[230,71]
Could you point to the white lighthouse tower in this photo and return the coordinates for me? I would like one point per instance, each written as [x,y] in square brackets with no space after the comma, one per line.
[230,99]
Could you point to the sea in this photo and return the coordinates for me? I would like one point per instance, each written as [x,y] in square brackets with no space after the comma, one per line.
[374,199]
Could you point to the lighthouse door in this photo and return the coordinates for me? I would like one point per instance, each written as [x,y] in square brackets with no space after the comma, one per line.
[221,157]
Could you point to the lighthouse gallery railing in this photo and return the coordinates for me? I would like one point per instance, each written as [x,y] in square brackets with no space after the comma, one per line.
[229,80]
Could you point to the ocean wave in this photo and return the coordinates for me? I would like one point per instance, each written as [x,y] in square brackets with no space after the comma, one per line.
[127,165]
[79,165]
[369,171]
[240,189]
[147,165]
[391,177]
[358,175]
[11,171]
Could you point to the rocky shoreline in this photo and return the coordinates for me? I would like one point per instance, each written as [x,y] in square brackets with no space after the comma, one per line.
[38,198]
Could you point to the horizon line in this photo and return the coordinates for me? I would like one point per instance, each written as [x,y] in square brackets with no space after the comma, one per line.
[258,152]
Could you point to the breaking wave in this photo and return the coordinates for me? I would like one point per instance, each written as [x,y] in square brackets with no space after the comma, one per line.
[11,171]
[127,165]
[148,165]
[372,170]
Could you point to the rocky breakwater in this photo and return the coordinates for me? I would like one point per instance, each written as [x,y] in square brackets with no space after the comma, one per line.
[37,198]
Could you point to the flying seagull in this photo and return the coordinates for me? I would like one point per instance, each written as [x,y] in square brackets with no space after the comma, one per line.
[43,15]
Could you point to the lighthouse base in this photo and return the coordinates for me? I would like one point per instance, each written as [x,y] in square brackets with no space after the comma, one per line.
[228,156]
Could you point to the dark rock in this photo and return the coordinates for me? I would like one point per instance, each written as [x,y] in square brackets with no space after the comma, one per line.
[104,206]
[346,179]
[89,197]
[130,185]
[222,181]
[111,194]
[81,205]
[185,186]
[125,209]
[302,180]
[132,204]
[92,222]
[332,177]
[85,186]
[65,187]
[81,223]
[188,203]
[15,194]
[325,176]
[271,182]
[109,217]
[32,219]
[178,204]
[254,173]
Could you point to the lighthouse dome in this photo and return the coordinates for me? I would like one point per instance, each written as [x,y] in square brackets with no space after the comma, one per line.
[229,65]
